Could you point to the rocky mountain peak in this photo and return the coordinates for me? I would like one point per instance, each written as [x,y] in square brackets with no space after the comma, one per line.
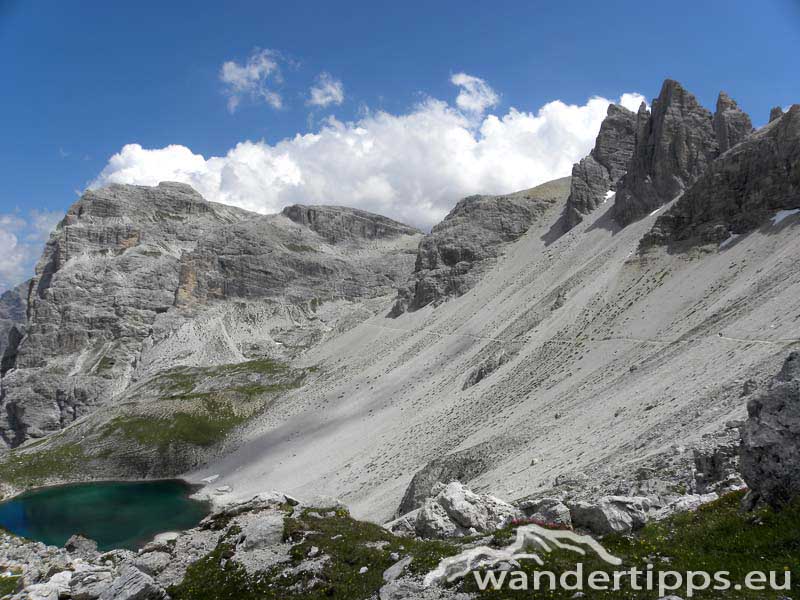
[740,190]
[775,113]
[595,175]
[731,124]
[673,147]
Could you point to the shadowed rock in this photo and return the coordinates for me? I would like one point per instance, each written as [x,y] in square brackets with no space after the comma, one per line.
[674,145]
[453,258]
[740,190]
[731,124]
[770,454]
[597,174]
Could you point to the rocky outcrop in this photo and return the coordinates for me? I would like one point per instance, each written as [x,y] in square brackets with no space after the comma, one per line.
[597,174]
[770,454]
[674,145]
[740,190]
[463,465]
[130,265]
[453,258]
[775,113]
[13,305]
[731,124]
[338,224]
[456,511]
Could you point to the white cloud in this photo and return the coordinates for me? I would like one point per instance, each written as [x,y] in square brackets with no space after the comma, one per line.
[632,101]
[22,239]
[326,91]
[412,167]
[253,80]
[475,95]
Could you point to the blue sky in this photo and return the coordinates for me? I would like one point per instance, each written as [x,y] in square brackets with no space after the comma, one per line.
[85,79]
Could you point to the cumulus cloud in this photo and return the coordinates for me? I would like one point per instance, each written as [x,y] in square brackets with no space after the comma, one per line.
[632,101]
[326,91]
[476,95]
[412,167]
[22,239]
[255,79]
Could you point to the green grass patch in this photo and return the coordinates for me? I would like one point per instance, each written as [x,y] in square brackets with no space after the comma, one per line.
[209,424]
[9,584]
[26,469]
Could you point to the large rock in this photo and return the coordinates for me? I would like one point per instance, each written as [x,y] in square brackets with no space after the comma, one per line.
[132,584]
[597,174]
[770,454]
[731,124]
[453,258]
[463,465]
[456,511]
[674,145]
[740,190]
[610,514]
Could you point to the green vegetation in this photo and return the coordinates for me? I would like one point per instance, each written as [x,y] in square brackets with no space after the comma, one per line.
[9,584]
[206,426]
[716,538]
[349,544]
[22,468]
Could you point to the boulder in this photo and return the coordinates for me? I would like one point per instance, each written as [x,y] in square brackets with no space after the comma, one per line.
[265,530]
[90,583]
[462,465]
[152,563]
[770,452]
[457,511]
[611,514]
[548,511]
[81,546]
[132,584]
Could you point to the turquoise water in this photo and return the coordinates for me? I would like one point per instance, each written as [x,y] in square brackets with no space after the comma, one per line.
[115,514]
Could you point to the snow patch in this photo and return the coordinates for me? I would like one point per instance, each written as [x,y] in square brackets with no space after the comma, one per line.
[609,194]
[656,210]
[784,214]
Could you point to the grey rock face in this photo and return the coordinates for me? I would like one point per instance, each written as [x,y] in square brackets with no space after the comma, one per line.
[597,174]
[456,511]
[337,224]
[740,190]
[770,453]
[731,124]
[775,113]
[132,584]
[13,305]
[129,265]
[674,145]
[458,466]
[454,256]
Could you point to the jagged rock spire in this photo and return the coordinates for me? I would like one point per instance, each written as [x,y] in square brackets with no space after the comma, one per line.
[599,172]
[731,124]
[673,147]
